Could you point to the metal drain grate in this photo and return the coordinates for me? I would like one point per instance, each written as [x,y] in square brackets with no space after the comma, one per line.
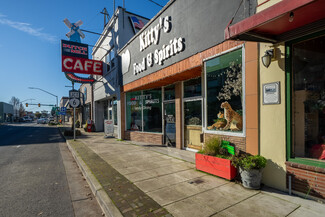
[196,181]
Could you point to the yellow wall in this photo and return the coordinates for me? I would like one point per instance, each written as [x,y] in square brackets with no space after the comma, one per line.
[266,4]
[273,122]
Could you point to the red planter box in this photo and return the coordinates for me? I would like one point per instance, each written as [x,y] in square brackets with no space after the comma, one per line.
[216,166]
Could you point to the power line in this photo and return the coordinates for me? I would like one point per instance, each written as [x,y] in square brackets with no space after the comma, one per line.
[156,3]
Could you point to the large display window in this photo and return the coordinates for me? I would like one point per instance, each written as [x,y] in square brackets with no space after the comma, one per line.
[143,111]
[224,92]
[308,98]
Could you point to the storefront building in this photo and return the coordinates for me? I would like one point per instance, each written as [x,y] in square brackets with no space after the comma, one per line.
[106,91]
[180,78]
[85,103]
[6,112]
[291,128]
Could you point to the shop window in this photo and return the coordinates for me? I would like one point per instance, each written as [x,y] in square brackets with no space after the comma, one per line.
[105,110]
[152,116]
[85,94]
[192,113]
[115,111]
[224,92]
[308,98]
[110,59]
[192,88]
[146,103]
[134,111]
[169,92]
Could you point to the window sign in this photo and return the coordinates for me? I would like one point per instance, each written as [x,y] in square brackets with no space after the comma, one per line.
[134,111]
[143,111]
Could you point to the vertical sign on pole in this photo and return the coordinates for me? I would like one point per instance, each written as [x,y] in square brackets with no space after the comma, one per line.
[74,101]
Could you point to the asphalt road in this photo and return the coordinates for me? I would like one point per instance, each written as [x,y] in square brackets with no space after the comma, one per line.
[33,179]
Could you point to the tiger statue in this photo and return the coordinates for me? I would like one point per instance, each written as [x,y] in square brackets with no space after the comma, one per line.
[234,120]
[220,123]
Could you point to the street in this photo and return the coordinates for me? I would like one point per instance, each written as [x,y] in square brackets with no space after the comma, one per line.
[38,176]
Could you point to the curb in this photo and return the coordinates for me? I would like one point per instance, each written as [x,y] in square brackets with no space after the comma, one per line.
[104,201]
[102,198]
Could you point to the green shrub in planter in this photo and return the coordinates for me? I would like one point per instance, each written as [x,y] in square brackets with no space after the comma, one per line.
[250,169]
[213,147]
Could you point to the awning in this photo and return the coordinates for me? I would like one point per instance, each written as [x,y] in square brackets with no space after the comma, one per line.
[274,24]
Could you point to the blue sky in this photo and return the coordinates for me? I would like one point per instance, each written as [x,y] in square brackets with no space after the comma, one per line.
[30,34]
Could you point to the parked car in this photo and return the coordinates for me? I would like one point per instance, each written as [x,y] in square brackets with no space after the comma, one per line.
[51,119]
[42,121]
[27,119]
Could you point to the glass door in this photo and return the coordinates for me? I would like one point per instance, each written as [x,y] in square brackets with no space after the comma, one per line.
[193,124]
[169,123]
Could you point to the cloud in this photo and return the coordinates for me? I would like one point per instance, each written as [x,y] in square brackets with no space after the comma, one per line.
[27,28]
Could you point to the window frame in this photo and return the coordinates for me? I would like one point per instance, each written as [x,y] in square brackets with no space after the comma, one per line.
[204,89]
[288,94]
[109,59]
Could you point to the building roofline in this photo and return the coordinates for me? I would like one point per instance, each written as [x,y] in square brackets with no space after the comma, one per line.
[147,24]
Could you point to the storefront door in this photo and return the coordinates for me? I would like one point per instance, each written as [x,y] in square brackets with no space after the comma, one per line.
[192,124]
[169,123]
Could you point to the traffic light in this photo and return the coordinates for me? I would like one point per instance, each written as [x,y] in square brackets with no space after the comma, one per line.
[39,104]
[26,104]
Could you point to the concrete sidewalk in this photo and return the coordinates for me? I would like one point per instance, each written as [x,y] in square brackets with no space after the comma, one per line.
[148,180]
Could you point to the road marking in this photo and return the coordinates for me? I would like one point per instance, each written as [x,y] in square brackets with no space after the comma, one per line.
[18,146]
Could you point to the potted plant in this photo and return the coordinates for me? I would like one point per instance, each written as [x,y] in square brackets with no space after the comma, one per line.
[250,169]
[214,158]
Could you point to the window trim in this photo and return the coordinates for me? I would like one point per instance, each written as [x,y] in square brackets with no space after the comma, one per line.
[288,91]
[219,132]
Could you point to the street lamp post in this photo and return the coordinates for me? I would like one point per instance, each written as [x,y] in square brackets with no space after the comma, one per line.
[47,93]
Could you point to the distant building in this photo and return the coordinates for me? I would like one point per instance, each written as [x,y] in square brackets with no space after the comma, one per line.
[6,112]
[106,92]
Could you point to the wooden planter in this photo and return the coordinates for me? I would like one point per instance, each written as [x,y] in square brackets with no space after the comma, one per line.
[216,166]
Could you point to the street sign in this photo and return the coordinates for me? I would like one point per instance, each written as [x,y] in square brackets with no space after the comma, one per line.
[63,113]
[63,109]
[74,49]
[74,102]
[74,94]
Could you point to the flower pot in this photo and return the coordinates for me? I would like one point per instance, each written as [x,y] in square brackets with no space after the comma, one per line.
[215,166]
[251,178]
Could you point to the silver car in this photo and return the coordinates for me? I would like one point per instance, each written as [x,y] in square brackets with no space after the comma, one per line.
[42,121]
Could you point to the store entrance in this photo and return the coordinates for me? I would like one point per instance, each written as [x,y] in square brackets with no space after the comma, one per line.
[169,123]
[193,124]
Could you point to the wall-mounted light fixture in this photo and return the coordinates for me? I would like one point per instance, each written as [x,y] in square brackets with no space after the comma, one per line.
[291,17]
[267,58]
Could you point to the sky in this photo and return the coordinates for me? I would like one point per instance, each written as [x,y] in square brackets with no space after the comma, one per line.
[30,35]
